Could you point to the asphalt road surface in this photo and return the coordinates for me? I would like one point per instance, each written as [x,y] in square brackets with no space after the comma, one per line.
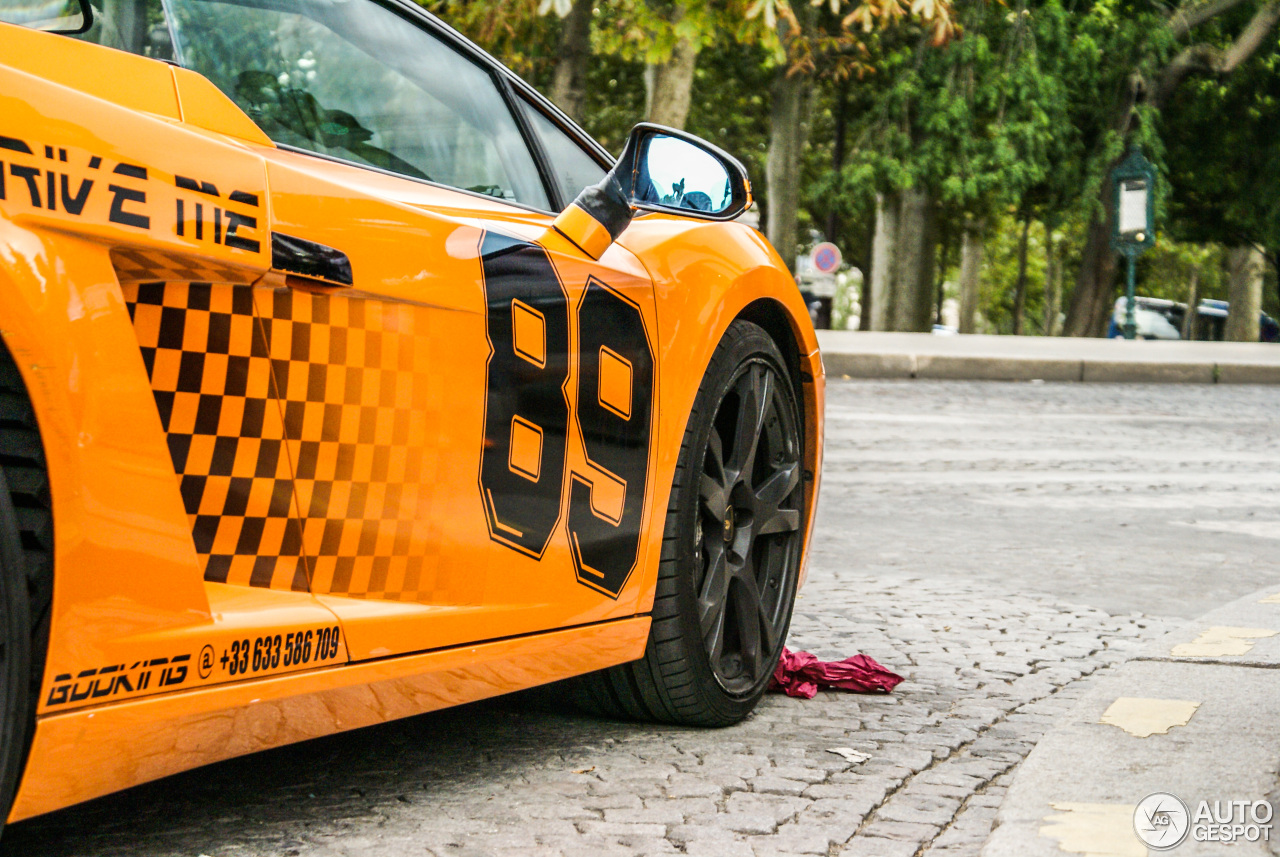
[997,544]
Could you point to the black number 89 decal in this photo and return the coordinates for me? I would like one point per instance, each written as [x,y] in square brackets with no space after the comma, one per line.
[522,464]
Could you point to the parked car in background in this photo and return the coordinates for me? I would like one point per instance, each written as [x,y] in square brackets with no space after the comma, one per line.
[1211,322]
[1158,318]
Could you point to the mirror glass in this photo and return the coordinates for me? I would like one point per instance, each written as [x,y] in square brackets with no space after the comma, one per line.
[677,174]
[54,16]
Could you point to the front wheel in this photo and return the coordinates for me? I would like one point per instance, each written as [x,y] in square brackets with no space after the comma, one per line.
[730,552]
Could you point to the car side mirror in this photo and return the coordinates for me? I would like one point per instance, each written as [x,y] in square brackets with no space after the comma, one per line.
[68,18]
[661,169]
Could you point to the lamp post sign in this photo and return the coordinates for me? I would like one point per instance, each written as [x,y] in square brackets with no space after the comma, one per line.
[1134,200]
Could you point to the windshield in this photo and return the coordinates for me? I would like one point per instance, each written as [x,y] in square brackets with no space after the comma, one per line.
[354,80]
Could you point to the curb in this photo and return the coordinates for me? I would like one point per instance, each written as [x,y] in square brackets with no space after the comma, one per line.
[848,354]
[954,367]
[1193,715]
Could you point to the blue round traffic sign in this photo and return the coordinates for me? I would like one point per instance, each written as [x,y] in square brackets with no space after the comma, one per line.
[826,258]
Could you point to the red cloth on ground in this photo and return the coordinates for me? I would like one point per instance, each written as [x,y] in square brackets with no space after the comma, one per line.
[800,674]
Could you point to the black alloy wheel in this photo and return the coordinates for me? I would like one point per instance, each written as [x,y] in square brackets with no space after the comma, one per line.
[730,553]
[748,528]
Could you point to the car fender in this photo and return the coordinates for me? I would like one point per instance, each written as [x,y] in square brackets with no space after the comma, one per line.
[705,276]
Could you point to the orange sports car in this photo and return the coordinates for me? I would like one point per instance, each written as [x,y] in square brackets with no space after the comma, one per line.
[343,378]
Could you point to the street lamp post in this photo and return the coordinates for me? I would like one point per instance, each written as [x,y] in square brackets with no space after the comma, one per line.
[1134,201]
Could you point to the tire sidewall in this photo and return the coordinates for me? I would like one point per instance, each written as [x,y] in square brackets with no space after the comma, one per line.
[743,342]
[15,664]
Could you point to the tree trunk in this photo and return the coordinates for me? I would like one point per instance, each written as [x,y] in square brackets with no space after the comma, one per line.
[840,118]
[864,305]
[1091,302]
[946,244]
[1020,285]
[970,273]
[912,295]
[1094,296]
[1193,300]
[1273,259]
[788,132]
[883,248]
[669,86]
[1052,278]
[1245,266]
[569,87]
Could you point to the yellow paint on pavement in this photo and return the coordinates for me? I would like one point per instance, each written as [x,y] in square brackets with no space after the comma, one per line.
[1271,599]
[1221,642]
[1094,830]
[1143,718]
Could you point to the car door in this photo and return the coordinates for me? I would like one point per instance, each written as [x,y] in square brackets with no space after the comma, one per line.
[466,397]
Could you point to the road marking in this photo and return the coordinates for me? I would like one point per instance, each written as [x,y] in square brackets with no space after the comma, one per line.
[1258,529]
[1271,599]
[1221,642]
[1143,718]
[1094,829]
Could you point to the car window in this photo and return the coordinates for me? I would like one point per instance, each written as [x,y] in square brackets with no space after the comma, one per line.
[136,26]
[572,168]
[354,80]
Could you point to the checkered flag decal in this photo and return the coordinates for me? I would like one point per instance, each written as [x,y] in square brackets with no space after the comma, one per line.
[335,381]
[136,266]
[211,374]
[355,408]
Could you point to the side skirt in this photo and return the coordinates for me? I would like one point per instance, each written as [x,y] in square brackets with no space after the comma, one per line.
[87,753]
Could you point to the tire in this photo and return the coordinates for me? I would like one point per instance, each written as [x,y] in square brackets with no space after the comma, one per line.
[26,575]
[720,575]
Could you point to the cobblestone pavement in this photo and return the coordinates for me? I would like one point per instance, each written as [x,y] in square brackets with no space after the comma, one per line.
[995,543]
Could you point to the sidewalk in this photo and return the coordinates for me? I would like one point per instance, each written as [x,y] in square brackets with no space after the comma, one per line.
[853,354]
[1194,716]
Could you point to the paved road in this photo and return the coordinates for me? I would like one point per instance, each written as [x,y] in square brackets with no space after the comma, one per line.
[998,544]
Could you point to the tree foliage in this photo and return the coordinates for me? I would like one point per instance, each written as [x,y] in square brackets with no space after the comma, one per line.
[1004,111]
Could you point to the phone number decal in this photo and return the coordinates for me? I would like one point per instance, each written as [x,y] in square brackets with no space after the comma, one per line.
[273,652]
